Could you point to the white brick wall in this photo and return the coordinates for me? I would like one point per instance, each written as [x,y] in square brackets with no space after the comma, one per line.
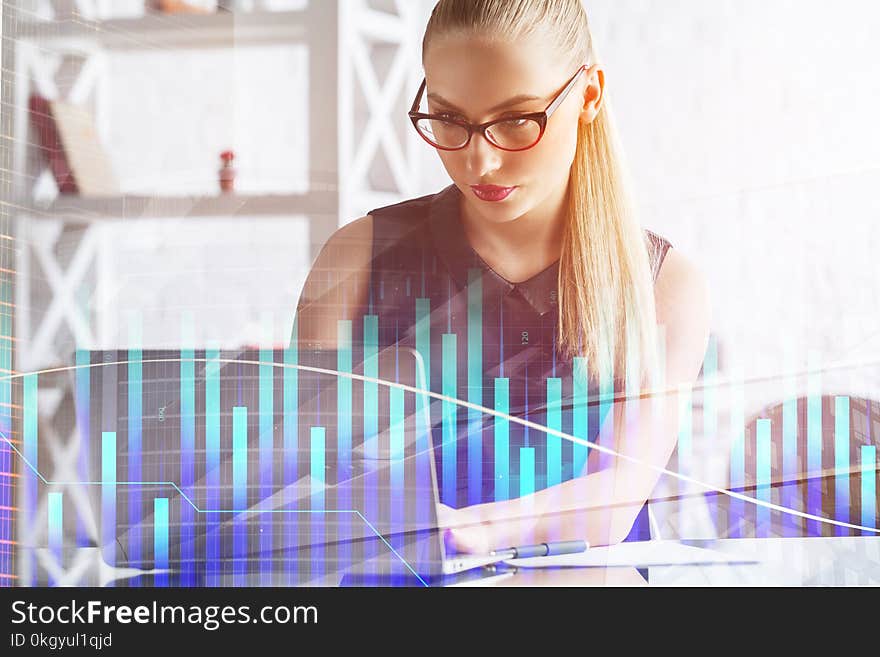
[748,125]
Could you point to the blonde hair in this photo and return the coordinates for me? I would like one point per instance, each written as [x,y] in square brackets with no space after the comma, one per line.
[606,287]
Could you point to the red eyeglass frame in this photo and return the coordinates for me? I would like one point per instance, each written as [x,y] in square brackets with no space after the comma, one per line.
[540,117]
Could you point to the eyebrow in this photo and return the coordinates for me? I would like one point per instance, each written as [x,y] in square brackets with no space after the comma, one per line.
[516,100]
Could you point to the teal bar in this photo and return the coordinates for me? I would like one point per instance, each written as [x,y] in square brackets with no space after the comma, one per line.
[526,471]
[502,440]
[371,390]
[450,414]
[56,530]
[56,524]
[108,496]
[475,385]
[762,477]
[869,488]
[316,527]
[580,415]
[160,539]
[318,446]
[841,462]
[554,422]
[371,408]
[212,463]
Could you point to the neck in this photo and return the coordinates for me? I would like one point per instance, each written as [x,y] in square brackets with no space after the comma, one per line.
[521,248]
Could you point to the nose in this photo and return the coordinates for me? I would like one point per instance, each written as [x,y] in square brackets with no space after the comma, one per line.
[482,157]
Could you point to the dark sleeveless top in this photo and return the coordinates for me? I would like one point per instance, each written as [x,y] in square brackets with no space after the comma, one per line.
[491,342]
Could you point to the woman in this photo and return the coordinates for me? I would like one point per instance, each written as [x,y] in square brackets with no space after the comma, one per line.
[533,280]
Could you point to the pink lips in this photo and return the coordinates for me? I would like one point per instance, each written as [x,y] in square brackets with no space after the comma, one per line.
[492,193]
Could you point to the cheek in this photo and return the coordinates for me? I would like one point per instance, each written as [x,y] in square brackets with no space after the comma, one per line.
[557,148]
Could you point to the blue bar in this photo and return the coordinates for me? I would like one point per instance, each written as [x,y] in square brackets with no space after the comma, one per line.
[841,462]
[502,440]
[108,497]
[239,492]
[344,410]
[344,398]
[762,477]
[814,444]
[396,439]
[318,447]
[685,452]
[160,539]
[187,466]
[737,453]
[423,425]
[450,415]
[29,472]
[266,446]
[135,436]
[56,528]
[554,421]
[8,458]
[869,488]
[291,443]
[84,428]
[790,474]
[291,395]
[581,416]
[213,564]
[526,471]
[475,385]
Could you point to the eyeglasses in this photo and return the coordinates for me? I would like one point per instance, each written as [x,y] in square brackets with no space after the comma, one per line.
[509,133]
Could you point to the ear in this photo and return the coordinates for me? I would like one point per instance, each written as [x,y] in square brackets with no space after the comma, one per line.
[594,93]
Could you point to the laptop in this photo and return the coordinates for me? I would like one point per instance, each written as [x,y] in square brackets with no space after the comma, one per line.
[274,474]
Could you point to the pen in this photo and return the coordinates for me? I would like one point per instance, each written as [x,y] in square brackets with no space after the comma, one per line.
[543,549]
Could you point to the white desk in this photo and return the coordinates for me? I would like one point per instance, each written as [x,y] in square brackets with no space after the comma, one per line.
[819,561]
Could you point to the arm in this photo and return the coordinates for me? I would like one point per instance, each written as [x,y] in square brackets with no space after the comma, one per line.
[602,507]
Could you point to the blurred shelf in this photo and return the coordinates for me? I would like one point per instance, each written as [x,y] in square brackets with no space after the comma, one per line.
[86,210]
[156,30]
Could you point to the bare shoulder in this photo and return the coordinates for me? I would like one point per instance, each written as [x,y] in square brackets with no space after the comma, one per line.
[354,240]
[337,285]
[683,303]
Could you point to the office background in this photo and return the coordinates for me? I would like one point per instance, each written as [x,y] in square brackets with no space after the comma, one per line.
[749,128]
